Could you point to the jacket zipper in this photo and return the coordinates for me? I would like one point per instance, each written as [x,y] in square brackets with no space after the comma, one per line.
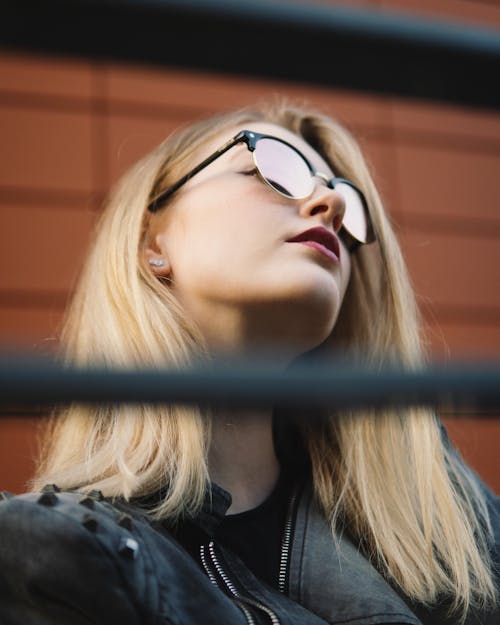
[285,545]
[212,578]
[239,598]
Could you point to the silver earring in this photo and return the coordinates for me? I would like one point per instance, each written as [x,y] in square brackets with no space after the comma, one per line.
[157,262]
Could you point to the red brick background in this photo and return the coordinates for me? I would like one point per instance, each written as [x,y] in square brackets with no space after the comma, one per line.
[70,127]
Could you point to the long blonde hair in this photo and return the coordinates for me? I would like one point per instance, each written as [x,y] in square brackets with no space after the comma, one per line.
[408,498]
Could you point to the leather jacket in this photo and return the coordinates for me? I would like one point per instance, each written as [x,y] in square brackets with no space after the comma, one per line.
[80,559]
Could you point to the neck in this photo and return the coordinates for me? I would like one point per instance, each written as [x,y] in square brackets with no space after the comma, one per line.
[242,459]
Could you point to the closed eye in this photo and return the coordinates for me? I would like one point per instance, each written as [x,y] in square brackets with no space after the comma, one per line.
[272,183]
[249,172]
[279,187]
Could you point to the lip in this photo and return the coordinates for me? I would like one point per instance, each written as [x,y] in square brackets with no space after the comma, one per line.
[320,239]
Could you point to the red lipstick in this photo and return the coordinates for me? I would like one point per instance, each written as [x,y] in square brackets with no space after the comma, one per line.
[320,239]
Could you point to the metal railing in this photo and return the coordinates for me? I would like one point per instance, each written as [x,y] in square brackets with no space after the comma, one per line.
[370,50]
[34,383]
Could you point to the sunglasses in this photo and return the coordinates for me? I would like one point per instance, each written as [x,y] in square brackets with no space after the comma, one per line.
[287,171]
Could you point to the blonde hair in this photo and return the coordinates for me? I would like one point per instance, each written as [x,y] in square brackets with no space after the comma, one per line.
[406,496]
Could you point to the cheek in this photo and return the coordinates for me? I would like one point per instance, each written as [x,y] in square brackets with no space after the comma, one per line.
[225,234]
[209,244]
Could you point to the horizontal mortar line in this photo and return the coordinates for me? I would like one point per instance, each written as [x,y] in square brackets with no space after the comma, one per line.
[108,103]
[66,198]
[119,104]
[465,414]
[438,312]
[59,103]
[161,113]
[26,298]
[453,225]
[364,131]
[160,110]
[108,106]
[88,105]
[445,140]
[488,3]
[434,312]
[24,412]
[397,135]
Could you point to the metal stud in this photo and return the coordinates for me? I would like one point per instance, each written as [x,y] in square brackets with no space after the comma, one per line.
[96,494]
[89,523]
[129,548]
[125,521]
[48,499]
[51,488]
[88,502]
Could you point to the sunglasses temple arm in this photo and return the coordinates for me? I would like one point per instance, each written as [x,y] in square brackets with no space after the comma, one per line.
[155,204]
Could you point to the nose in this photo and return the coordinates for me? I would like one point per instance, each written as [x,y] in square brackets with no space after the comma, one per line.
[327,203]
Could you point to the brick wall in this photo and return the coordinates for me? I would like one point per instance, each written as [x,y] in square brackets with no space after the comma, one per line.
[71,127]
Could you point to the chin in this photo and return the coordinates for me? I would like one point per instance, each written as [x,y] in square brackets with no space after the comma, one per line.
[318,306]
[313,318]
[322,294]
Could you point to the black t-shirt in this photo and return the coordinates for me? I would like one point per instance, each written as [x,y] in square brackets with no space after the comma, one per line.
[256,535]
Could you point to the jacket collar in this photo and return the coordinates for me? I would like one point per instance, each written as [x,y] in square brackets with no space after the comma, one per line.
[215,505]
[351,589]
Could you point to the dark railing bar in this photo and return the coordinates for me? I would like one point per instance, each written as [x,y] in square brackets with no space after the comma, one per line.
[34,382]
[362,49]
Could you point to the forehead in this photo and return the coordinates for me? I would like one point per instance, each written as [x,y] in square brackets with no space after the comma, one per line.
[275,130]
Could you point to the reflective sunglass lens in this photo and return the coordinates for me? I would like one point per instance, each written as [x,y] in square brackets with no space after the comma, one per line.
[355,219]
[283,168]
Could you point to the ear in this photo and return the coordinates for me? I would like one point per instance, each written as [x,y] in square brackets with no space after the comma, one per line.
[156,258]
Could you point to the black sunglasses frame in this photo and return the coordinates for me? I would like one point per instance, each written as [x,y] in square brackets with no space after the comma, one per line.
[251,138]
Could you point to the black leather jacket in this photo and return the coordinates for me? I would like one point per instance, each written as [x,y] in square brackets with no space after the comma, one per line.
[66,558]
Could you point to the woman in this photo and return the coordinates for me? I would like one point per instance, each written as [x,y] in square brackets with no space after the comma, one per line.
[257,228]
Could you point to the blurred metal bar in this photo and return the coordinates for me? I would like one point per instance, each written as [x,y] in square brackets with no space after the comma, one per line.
[35,382]
[368,50]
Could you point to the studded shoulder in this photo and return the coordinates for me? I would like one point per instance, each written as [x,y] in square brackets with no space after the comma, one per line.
[61,540]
